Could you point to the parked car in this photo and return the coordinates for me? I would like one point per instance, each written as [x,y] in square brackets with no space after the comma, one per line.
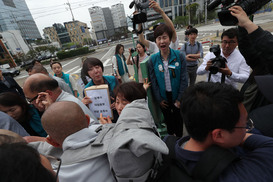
[10,72]
[27,63]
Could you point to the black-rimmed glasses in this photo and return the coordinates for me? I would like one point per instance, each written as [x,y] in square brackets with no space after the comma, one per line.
[31,100]
[249,126]
[55,163]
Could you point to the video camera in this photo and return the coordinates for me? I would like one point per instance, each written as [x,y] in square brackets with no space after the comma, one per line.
[141,15]
[225,17]
[217,62]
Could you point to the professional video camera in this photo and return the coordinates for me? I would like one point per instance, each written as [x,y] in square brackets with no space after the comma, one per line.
[217,62]
[226,19]
[140,15]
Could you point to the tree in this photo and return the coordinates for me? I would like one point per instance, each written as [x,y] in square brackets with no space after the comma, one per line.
[212,14]
[192,9]
[181,20]
[157,21]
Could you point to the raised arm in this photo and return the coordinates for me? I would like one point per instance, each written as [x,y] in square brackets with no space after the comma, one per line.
[153,4]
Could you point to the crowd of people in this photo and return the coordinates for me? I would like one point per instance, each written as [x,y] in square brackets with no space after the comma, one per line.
[49,133]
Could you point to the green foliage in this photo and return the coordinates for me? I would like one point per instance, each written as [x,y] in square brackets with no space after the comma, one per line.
[212,15]
[181,20]
[192,9]
[68,45]
[76,52]
[52,49]
[31,53]
[158,21]
[87,41]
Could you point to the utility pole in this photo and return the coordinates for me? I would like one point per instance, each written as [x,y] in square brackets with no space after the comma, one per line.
[75,22]
[206,12]
[189,13]
[68,4]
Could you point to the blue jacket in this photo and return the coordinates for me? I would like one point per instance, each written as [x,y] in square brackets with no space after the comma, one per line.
[110,80]
[35,122]
[119,64]
[156,72]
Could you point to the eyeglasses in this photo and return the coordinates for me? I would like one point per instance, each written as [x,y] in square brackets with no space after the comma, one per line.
[226,42]
[249,126]
[55,163]
[31,100]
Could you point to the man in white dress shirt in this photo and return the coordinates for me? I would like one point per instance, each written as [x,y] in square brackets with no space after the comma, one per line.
[236,69]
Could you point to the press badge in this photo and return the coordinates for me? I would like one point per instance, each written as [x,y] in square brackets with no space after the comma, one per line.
[172,68]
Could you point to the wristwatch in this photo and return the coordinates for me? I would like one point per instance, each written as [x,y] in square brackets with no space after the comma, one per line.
[228,76]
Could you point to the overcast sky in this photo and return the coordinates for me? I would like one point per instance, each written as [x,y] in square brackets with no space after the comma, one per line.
[46,13]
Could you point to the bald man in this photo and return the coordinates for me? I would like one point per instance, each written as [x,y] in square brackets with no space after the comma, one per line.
[67,127]
[41,91]
[40,69]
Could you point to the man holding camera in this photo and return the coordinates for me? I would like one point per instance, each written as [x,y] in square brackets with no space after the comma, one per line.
[236,69]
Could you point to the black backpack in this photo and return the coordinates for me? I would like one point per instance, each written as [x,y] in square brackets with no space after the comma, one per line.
[214,160]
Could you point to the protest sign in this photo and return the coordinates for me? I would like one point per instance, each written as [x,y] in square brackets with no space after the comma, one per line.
[100,100]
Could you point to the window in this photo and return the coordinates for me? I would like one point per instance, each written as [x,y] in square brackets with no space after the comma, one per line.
[9,3]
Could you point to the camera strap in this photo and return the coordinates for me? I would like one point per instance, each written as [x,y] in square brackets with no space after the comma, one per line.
[223,78]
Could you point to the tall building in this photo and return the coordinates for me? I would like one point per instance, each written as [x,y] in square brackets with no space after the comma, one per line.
[78,32]
[178,7]
[107,22]
[62,33]
[51,34]
[15,15]
[119,17]
[98,22]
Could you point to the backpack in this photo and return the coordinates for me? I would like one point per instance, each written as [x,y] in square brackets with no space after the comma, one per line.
[198,45]
[214,160]
[134,146]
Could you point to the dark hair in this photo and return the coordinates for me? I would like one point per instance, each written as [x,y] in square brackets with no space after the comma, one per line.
[131,91]
[9,99]
[230,33]
[192,30]
[20,162]
[142,45]
[162,29]
[39,69]
[118,48]
[43,85]
[55,62]
[88,63]
[29,68]
[207,106]
[189,26]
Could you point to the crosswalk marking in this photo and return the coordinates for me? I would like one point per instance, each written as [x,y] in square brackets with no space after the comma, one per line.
[106,62]
[68,71]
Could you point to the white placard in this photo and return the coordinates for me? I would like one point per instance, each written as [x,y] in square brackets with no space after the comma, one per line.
[100,101]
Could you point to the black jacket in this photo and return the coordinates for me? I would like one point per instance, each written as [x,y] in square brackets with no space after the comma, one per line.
[14,87]
[257,50]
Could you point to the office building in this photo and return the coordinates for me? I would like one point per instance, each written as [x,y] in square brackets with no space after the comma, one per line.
[15,15]
[78,32]
[98,22]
